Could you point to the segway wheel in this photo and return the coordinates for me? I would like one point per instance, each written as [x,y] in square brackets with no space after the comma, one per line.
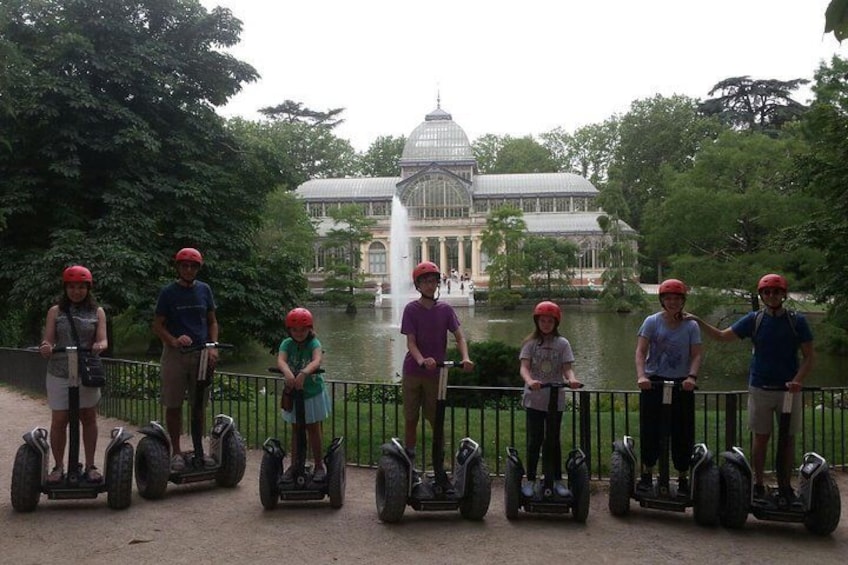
[707,495]
[26,479]
[233,461]
[119,475]
[270,470]
[825,507]
[391,489]
[336,478]
[735,496]
[512,490]
[152,468]
[621,482]
[578,482]
[478,493]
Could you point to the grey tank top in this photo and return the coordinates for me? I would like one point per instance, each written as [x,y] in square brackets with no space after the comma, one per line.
[85,320]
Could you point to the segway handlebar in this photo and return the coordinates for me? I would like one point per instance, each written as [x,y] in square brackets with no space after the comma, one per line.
[784,388]
[278,371]
[210,345]
[559,385]
[61,349]
[675,383]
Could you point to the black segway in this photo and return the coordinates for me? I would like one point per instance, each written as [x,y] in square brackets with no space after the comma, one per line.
[273,486]
[817,505]
[545,499]
[469,490]
[704,489]
[29,475]
[153,454]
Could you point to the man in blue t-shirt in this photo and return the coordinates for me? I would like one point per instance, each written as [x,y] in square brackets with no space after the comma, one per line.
[777,335]
[185,316]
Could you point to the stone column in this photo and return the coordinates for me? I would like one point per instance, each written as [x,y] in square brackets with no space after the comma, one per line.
[475,257]
[443,256]
[460,246]
[424,255]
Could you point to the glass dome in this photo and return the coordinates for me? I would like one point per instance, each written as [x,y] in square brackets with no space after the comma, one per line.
[437,139]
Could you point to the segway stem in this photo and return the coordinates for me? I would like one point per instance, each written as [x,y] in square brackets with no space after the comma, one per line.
[73,413]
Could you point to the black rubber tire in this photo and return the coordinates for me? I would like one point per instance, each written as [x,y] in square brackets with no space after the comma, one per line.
[735,496]
[826,506]
[478,492]
[152,468]
[707,495]
[621,483]
[512,490]
[391,489]
[336,478]
[578,482]
[119,476]
[233,461]
[270,470]
[26,479]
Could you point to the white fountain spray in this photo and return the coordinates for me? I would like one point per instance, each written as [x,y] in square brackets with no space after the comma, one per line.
[401,263]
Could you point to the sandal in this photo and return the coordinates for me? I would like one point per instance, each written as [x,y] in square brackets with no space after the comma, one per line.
[92,475]
[56,475]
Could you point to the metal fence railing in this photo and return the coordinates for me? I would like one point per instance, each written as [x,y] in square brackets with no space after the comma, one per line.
[367,414]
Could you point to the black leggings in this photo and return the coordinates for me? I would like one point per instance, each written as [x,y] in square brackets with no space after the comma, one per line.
[682,430]
[536,424]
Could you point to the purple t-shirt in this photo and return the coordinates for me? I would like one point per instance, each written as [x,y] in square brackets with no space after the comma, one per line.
[430,326]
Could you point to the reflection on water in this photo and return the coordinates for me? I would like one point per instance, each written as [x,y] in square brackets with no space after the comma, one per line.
[368,346]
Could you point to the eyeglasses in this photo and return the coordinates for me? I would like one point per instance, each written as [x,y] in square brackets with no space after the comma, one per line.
[771,291]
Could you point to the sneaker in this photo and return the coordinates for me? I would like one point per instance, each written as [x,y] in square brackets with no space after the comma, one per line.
[416,478]
[560,489]
[209,461]
[645,485]
[445,483]
[683,486]
[178,463]
[288,474]
[92,474]
[787,496]
[528,488]
[320,475]
[56,474]
[759,491]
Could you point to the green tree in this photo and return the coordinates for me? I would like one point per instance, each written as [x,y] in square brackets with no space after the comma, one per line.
[502,240]
[343,244]
[763,105]
[383,156]
[114,157]
[836,19]
[523,155]
[587,152]
[486,149]
[550,261]
[621,291]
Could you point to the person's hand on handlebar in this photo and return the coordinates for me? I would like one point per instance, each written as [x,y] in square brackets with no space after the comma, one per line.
[644,383]
[467,365]
[574,383]
[533,384]
[794,386]
[428,363]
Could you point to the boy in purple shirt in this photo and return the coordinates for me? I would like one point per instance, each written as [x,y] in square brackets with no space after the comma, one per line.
[425,324]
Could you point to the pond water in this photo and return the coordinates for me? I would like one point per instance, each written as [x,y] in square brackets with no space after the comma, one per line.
[368,346]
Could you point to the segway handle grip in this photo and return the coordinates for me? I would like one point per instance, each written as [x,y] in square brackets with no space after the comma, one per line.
[60,349]
[559,385]
[677,383]
[210,345]
[276,370]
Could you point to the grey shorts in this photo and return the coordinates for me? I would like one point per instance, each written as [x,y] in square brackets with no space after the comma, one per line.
[57,394]
[765,405]
[418,392]
[179,376]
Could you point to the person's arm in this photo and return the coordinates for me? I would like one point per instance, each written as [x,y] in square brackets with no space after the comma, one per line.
[212,332]
[462,346]
[527,375]
[640,358]
[696,353]
[164,335]
[808,361]
[46,347]
[570,377]
[727,334]
[313,365]
[412,346]
[283,366]
[101,342]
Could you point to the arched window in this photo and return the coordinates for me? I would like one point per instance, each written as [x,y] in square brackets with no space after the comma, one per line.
[436,195]
[377,258]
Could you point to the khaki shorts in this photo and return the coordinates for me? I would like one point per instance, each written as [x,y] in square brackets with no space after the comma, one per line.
[765,405]
[179,375]
[418,392]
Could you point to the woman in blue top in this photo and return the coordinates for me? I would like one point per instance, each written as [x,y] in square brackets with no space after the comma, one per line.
[668,348]
[298,359]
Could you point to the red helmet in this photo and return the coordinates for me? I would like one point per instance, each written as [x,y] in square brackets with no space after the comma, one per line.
[547,308]
[189,254]
[772,281]
[673,286]
[77,273]
[424,268]
[299,318]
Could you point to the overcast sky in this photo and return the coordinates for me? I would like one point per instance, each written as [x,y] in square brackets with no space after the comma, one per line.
[514,68]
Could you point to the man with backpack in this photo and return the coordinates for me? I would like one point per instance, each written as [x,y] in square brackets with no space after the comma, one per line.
[777,334]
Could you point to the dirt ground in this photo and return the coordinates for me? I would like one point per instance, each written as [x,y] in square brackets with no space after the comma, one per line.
[203,524]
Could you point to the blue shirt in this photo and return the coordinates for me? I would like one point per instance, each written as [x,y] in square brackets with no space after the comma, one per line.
[669,348]
[186,310]
[774,360]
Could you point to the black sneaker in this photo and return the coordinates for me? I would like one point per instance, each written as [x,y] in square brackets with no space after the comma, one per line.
[445,483]
[759,492]
[683,487]
[645,485]
[416,478]
[288,475]
[786,496]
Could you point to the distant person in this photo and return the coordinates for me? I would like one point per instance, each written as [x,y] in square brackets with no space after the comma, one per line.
[185,316]
[76,306]
[546,357]
[668,347]
[426,323]
[777,335]
[298,359]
